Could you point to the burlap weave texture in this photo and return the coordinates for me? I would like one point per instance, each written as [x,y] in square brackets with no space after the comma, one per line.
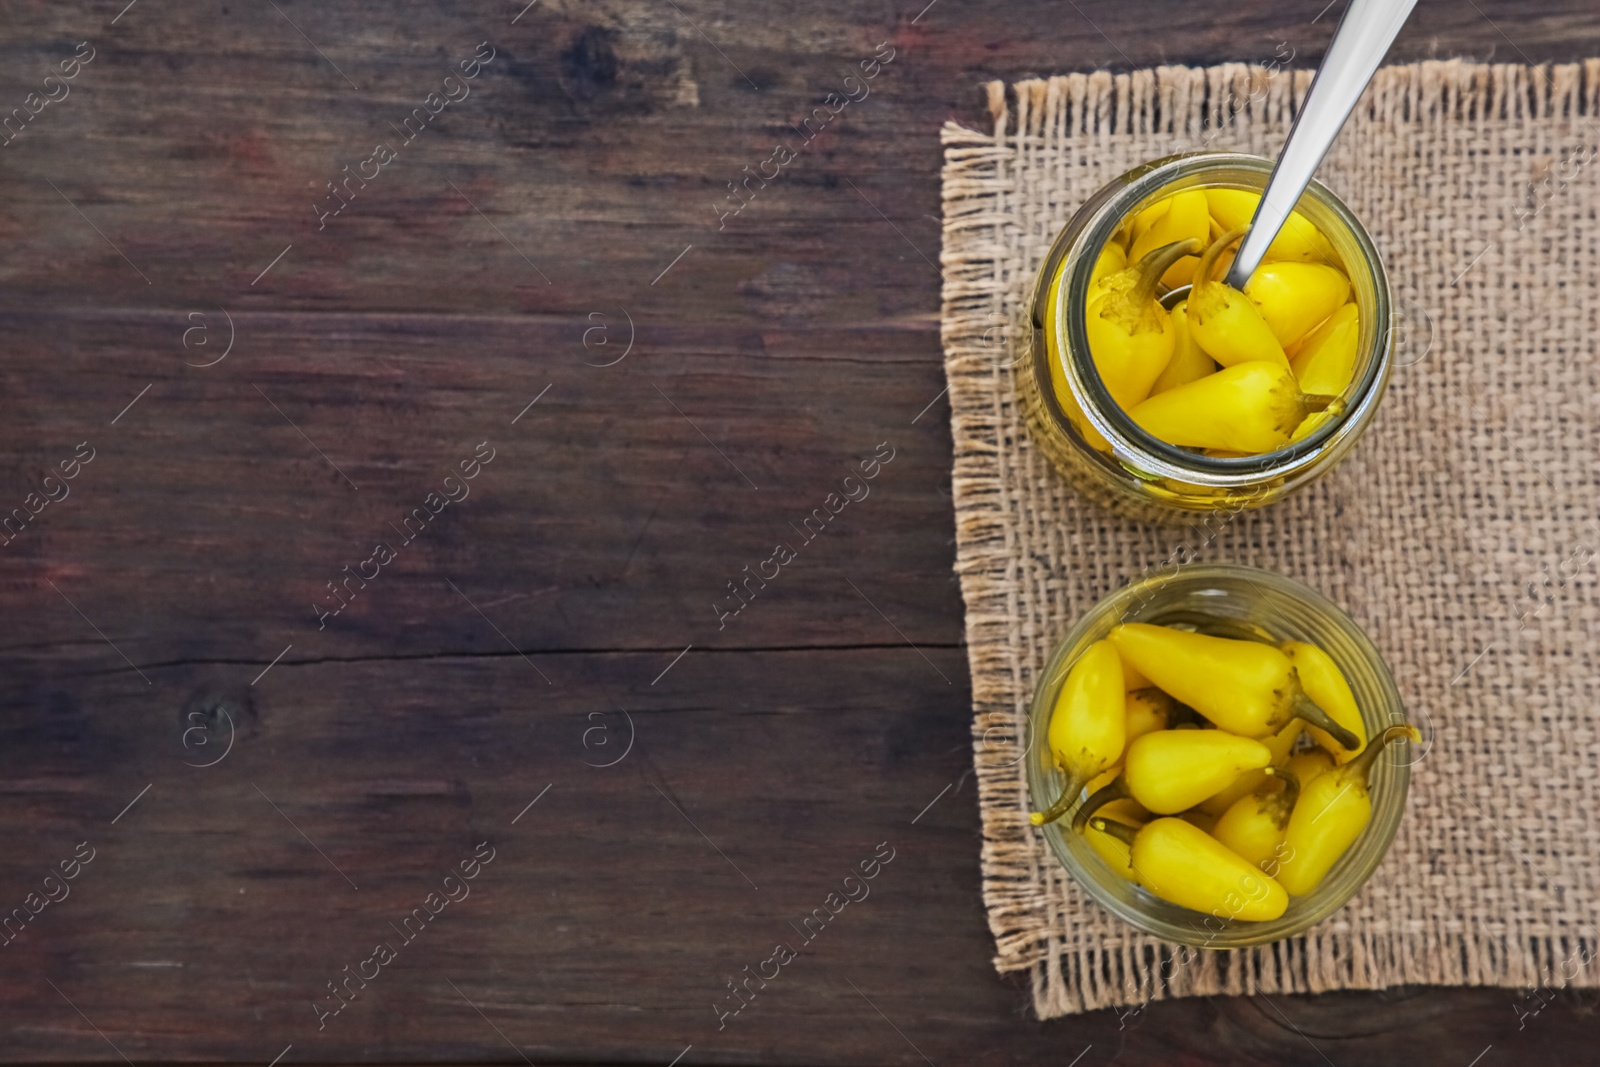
[1461,533]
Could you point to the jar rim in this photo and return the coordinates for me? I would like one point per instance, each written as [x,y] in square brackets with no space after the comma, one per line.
[1131,444]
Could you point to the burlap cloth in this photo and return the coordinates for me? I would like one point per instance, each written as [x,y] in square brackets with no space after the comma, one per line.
[1460,533]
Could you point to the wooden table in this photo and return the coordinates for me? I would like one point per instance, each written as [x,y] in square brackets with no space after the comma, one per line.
[547,275]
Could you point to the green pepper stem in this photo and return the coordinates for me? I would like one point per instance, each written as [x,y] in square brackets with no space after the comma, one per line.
[1119,830]
[1283,802]
[1117,789]
[1063,803]
[1360,768]
[1208,258]
[1315,402]
[1156,263]
[1291,785]
[1305,709]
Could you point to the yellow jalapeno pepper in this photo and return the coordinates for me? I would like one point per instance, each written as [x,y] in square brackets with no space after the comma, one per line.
[1184,865]
[1326,362]
[1170,771]
[1254,825]
[1306,766]
[1298,240]
[1309,424]
[1245,687]
[1130,333]
[1294,297]
[1187,217]
[1132,679]
[1110,260]
[1144,219]
[1189,361]
[1334,808]
[1148,710]
[1248,408]
[1325,684]
[1226,323]
[1280,745]
[1088,725]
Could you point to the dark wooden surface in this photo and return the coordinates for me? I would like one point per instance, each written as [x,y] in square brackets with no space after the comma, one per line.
[526,636]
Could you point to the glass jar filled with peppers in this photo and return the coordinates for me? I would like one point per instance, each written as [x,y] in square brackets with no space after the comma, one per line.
[1152,384]
[1218,755]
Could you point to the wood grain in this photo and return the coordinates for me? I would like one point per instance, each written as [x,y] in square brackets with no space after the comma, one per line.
[510,252]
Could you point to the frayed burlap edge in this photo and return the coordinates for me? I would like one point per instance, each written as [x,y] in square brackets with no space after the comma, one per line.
[1187,103]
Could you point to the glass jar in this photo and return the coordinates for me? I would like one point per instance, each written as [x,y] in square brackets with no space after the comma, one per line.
[1127,468]
[1238,597]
